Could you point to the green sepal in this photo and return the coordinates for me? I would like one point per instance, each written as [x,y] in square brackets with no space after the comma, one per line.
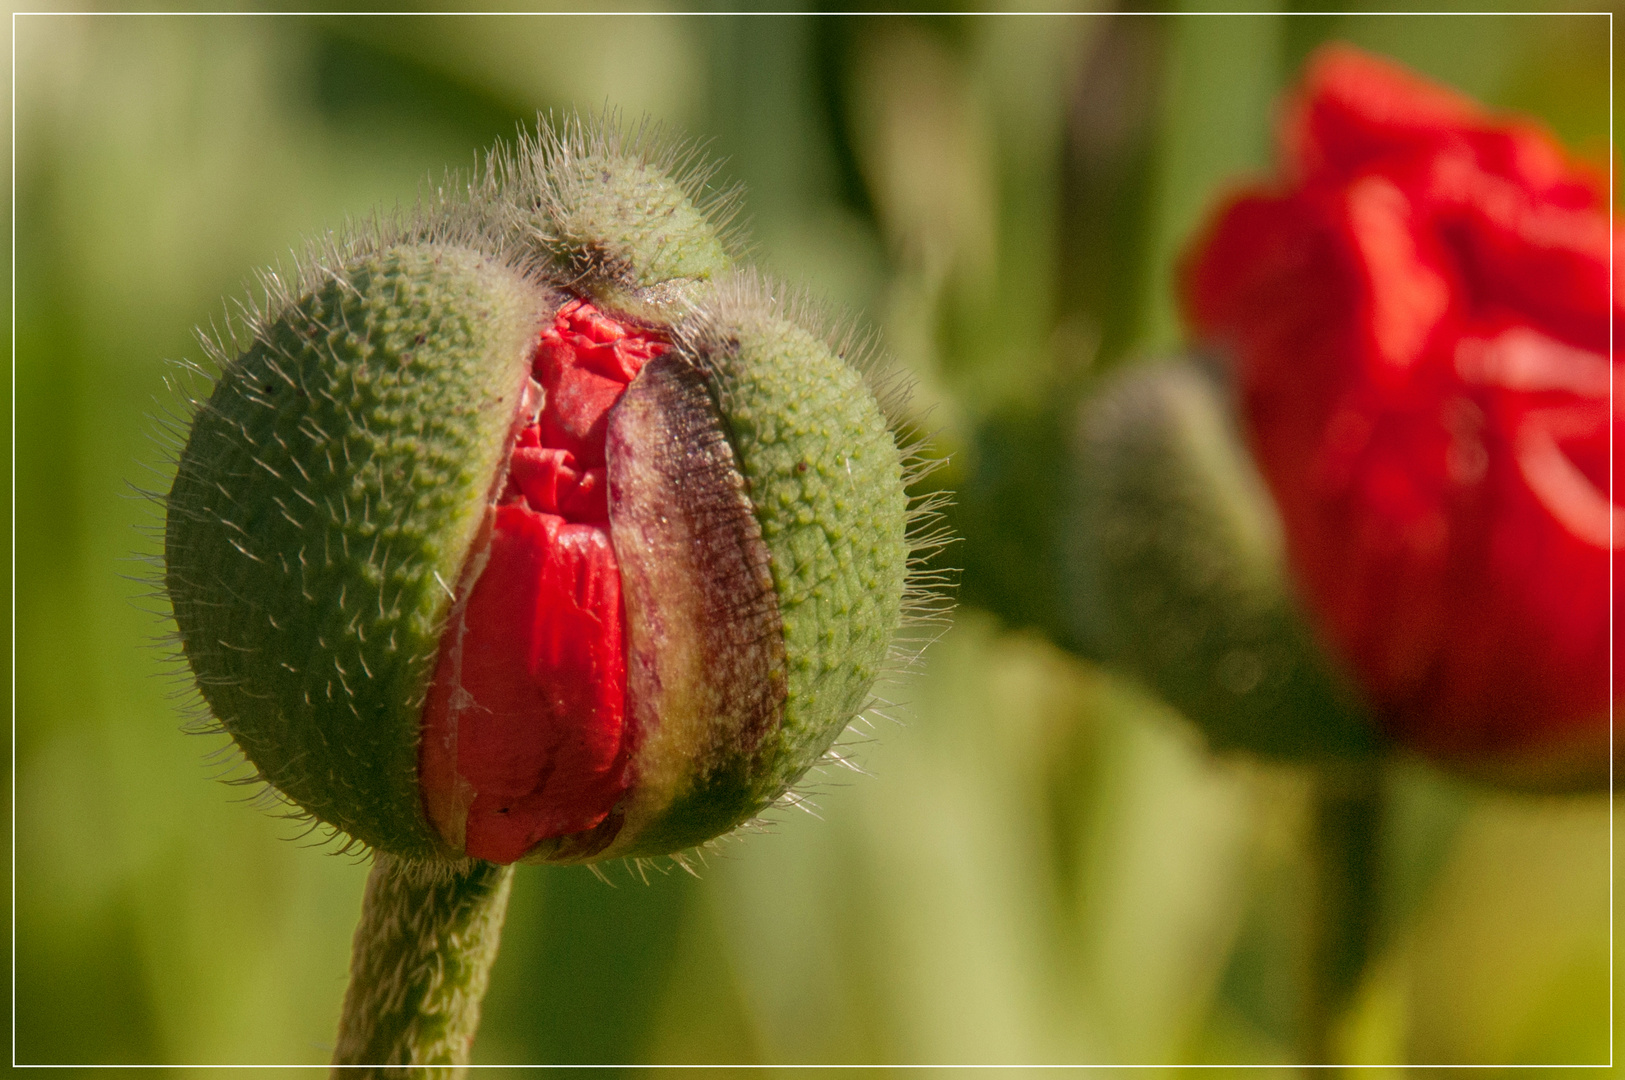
[713,804]
[325,503]
[619,220]
[826,482]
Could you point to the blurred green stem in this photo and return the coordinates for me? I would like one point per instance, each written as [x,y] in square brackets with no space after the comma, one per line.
[418,971]
[1344,854]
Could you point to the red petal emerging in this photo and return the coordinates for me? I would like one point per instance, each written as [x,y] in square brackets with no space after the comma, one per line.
[525,733]
[533,701]
[584,363]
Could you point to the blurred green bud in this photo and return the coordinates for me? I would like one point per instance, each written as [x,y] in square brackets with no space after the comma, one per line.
[1175,565]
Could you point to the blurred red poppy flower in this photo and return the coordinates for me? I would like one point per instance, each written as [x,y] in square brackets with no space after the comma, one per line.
[1420,315]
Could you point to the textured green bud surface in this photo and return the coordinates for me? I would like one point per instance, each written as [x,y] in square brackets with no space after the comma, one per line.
[630,214]
[826,482]
[1178,575]
[327,498]
[620,226]
[705,645]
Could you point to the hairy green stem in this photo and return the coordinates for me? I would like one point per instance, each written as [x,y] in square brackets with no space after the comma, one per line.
[419,968]
[1344,853]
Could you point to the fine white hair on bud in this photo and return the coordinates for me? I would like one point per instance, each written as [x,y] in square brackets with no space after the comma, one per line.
[626,214]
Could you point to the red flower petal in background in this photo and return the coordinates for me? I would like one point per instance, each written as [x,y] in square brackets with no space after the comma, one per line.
[1419,317]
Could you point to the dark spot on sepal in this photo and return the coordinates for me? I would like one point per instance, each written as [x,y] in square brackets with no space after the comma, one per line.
[582,846]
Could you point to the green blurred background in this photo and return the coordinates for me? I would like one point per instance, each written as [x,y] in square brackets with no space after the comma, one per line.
[1045,866]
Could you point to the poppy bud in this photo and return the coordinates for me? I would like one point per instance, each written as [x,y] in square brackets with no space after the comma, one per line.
[529,529]
[1178,575]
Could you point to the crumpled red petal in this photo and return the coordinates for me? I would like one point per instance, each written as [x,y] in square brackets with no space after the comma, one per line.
[525,733]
